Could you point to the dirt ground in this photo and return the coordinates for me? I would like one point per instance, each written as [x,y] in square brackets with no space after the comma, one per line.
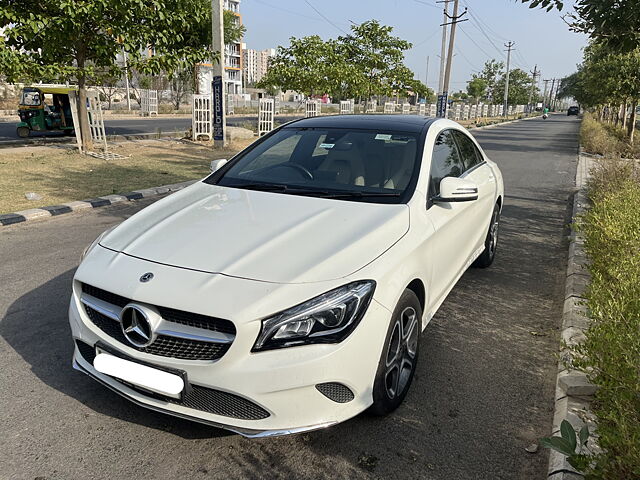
[59,174]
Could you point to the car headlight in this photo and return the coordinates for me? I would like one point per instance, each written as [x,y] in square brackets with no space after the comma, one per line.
[328,318]
[95,242]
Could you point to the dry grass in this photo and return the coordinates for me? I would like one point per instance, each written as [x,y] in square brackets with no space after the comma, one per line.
[606,140]
[59,174]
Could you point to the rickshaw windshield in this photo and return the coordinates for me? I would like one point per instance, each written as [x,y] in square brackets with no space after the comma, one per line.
[30,98]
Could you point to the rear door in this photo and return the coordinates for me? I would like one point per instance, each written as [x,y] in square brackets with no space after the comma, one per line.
[479,172]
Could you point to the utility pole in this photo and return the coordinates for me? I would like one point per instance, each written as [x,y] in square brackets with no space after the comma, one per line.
[553,84]
[426,77]
[533,86]
[443,46]
[217,87]
[455,19]
[509,46]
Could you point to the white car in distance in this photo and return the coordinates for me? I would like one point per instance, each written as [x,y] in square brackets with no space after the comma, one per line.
[287,291]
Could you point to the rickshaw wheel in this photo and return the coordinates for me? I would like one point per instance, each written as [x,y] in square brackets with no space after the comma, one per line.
[70,133]
[23,132]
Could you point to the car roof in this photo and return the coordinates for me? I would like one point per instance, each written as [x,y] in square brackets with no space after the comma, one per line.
[403,123]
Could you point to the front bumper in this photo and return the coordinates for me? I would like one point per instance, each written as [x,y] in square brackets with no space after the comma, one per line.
[282,382]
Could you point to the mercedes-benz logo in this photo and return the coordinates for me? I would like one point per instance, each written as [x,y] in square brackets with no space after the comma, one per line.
[136,326]
[146,277]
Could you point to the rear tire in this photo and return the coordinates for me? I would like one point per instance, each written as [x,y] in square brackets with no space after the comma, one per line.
[491,242]
[23,132]
[399,357]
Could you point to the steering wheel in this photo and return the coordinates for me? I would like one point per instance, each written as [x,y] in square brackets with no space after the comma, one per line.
[300,169]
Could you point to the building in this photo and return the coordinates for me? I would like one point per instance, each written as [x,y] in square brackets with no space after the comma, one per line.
[233,53]
[232,60]
[256,63]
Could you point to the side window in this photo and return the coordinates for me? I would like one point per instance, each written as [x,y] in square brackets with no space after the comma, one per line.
[445,162]
[468,151]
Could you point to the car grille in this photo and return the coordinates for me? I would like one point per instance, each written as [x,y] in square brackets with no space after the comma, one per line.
[165,346]
[197,397]
[337,392]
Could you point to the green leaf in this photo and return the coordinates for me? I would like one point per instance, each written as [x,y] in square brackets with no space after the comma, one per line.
[558,444]
[584,435]
[568,434]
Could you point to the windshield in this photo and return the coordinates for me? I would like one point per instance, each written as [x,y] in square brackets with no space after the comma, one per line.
[30,98]
[365,165]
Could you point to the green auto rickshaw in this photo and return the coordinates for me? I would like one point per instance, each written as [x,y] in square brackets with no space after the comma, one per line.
[45,109]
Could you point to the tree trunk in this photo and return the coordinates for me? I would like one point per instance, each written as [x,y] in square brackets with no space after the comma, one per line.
[85,133]
[632,121]
[624,114]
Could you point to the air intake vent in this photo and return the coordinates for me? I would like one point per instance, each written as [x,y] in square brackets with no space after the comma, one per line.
[337,392]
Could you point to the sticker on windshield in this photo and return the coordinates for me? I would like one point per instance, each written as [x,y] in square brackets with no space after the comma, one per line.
[383,136]
[327,145]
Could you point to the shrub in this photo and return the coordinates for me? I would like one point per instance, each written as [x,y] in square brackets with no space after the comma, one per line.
[610,353]
[606,140]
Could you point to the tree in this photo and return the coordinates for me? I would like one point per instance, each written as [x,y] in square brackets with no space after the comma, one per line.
[377,59]
[613,23]
[74,39]
[490,74]
[233,29]
[477,89]
[306,66]
[367,62]
[107,86]
[519,87]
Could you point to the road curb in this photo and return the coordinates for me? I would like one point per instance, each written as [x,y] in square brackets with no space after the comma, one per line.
[70,207]
[573,392]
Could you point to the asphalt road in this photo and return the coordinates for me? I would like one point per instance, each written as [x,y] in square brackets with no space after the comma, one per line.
[483,390]
[137,125]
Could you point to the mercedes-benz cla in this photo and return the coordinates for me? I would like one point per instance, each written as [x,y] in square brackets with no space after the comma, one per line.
[287,290]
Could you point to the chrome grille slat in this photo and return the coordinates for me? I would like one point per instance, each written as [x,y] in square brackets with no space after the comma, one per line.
[186,339]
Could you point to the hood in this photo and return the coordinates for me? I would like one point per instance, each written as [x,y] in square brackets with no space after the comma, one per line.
[262,236]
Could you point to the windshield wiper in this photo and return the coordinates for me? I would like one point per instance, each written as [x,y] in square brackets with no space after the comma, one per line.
[357,194]
[279,187]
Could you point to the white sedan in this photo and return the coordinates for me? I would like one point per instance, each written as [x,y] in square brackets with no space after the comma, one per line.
[287,291]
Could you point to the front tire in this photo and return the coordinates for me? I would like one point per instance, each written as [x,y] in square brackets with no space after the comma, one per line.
[23,132]
[399,357]
[491,242]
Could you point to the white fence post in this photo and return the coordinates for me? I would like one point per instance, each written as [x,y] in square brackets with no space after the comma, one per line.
[96,123]
[148,102]
[345,107]
[465,112]
[372,106]
[266,113]
[433,109]
[230,104]
[473,111]
[422,108]
[201,117]
[389,107]
[311,109]
[406,108]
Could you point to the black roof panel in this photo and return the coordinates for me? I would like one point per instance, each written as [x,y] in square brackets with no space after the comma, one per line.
[403,123]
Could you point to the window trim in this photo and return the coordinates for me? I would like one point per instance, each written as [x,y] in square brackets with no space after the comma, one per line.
[430,198]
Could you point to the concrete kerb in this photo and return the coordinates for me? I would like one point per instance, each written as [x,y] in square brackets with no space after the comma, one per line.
[573,391]
[55,210]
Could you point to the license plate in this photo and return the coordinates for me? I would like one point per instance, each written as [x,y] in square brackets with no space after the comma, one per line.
[150,378]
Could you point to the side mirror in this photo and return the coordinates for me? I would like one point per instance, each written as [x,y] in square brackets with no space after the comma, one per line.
[453,189]
[217,164]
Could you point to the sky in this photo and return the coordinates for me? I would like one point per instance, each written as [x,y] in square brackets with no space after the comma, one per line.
[541,38]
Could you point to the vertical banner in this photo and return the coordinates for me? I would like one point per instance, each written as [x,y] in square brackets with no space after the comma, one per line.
[442,105]
[218,107]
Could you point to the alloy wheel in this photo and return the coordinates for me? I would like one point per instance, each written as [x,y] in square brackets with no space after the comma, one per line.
[401,352]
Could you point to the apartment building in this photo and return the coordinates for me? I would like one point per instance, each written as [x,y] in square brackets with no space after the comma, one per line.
[256,63]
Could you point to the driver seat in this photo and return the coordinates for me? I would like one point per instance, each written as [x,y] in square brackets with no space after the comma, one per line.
[344,162]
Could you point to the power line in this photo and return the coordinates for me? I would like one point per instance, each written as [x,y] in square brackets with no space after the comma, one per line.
[475,43]
[427,4]
[322,15]
[262,2]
